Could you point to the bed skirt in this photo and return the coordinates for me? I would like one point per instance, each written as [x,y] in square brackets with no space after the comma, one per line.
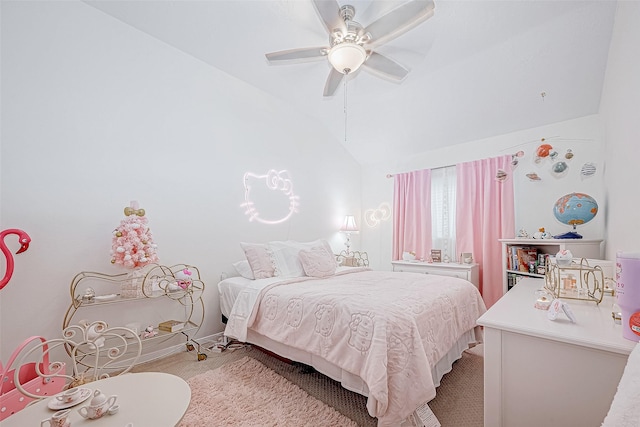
[351,381]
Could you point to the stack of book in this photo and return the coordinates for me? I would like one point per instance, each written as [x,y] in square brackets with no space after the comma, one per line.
[171,326]
[523,259]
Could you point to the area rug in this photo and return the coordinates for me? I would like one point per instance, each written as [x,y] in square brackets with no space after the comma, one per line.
[247,393]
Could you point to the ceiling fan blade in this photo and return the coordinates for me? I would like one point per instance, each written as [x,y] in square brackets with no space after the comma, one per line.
[329,13]
[297,55]
[398,21]
[386,67]
[333,81]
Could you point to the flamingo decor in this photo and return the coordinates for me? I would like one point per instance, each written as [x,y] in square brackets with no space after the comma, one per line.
[24,245]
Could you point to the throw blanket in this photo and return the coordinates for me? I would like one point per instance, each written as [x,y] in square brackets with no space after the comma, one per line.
[624,410]
[388,328]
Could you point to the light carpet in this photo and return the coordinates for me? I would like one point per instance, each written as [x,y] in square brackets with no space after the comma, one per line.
[458,402]
[247,393]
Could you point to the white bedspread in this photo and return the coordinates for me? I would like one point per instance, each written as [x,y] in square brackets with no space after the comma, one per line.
[388,328]
[625,410]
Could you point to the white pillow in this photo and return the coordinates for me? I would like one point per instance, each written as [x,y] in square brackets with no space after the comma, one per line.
[317,262]
[259,258]
[285,256]
[244,269]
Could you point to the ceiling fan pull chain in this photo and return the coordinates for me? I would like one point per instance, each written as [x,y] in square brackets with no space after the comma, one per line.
[345,105]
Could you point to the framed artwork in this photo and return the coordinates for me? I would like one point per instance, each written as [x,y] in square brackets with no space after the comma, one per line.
[436,255]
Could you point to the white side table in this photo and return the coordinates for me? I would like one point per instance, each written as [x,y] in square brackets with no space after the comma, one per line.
[539,372]
[464,271]
[145,399]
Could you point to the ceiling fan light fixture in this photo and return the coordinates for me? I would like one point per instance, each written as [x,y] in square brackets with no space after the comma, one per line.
[347,57]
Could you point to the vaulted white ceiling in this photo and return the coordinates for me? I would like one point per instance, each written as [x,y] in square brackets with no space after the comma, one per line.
[478,68]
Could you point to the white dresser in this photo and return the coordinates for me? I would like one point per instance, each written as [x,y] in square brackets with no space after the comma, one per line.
[463,271]
[539,372]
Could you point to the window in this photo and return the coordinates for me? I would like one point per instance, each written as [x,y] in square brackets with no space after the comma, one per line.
[443,211]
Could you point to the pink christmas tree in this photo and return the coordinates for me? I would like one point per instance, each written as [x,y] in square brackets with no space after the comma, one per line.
[132,243]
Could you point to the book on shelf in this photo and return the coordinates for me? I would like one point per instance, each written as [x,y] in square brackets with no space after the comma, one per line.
[527,259]
[171,326]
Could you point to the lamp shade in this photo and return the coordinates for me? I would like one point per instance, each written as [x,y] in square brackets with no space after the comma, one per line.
[349,225]
[347,57]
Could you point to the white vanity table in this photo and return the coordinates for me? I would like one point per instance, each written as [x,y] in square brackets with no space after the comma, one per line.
[539,372]
[464,271]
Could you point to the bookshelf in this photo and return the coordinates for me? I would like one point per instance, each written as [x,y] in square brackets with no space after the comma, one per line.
[580,248]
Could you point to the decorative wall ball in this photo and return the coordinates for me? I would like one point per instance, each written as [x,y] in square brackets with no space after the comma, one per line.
[514,158]
[533,176]
[543,150]
[588,170]
[559,169]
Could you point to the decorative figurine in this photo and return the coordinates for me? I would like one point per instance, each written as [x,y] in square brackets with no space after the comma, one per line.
[149,332]
[522,234]
[183,278]
[541,234]
[89,295]
[24,240]
[564,257]
[408,256]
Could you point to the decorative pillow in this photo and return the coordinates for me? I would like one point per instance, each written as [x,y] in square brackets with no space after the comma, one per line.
[317,262]
[244,269]
[259,258]
[285,256]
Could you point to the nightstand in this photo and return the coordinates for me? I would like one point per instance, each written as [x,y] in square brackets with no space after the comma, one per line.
[468,272]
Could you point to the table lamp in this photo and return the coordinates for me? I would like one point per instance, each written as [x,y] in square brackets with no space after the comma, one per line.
[349,226]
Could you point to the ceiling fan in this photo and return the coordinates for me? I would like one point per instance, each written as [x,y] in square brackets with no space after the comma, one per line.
[351,45]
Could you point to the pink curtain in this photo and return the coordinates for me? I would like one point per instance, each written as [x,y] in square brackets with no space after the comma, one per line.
[485,213]
[412,214]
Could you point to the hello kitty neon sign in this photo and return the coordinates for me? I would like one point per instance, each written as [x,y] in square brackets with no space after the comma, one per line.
[275,181]
[373,217]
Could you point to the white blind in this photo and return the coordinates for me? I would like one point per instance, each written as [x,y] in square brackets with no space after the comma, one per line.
[443,211]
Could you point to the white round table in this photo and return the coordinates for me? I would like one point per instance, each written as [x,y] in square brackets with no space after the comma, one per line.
[145,399]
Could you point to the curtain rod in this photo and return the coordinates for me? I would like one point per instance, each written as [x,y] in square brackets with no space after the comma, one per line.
[391,175]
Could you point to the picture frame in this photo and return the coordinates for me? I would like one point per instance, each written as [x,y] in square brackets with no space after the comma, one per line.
[436,255]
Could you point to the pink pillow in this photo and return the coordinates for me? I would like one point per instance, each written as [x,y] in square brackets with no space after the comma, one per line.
[259,258]
[317,262]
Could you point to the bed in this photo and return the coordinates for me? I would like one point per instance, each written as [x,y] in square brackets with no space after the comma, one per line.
[390,336]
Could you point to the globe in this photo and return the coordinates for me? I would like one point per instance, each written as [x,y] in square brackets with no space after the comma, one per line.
[574,209]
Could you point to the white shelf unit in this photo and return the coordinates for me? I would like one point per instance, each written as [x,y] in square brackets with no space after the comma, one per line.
[464,271]
[580,248]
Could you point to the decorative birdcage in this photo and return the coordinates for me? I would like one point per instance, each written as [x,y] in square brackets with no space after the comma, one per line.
[577,280]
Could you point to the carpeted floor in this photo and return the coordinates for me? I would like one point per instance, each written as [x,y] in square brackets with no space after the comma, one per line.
[458,403]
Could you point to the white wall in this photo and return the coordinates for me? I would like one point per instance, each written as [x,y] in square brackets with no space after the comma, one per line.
[619,107]
[609,139]
[96,114]
[534,200]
